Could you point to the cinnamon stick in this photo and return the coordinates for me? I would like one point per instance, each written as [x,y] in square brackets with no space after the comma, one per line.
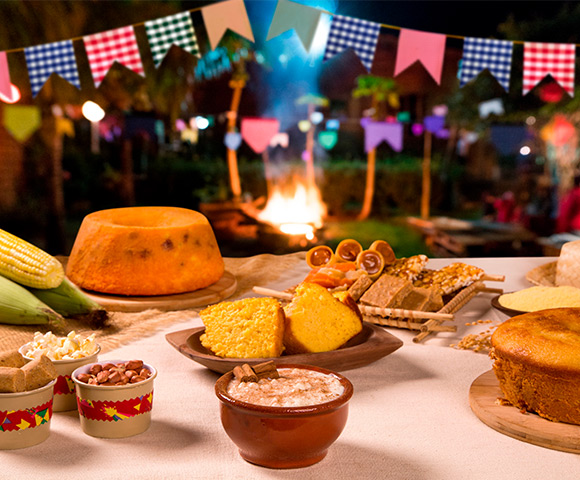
[246,373]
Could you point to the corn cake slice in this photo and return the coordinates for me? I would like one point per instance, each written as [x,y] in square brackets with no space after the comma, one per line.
[247,328]
[316,321]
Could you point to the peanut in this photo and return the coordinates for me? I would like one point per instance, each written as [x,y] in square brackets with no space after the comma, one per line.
[110,374]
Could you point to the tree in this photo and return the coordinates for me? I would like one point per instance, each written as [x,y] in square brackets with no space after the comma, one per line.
[380,90]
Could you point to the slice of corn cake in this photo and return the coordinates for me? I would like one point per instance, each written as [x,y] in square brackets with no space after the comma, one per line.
[316,321]
[247,328]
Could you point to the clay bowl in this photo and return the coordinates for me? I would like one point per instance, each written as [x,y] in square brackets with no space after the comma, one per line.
[283,437]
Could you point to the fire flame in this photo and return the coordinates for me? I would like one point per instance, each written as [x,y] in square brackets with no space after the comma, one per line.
[296,212]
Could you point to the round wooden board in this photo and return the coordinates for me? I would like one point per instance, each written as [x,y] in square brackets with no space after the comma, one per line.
[217,292]
[508,420]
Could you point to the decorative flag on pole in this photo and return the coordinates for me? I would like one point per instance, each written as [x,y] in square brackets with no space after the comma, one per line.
[428,48]
[21,120]
[555,59]
[221,16]
[57,57]
[480,53]
[164,32]
[106,48]
[258,132]
[5,83]
[303,19]
[376,132]
[348,32]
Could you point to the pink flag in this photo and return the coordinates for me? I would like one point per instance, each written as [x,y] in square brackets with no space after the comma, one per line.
[223,15]
[106,48]
[258,132]
[428,48]
[5,84]
[555,59]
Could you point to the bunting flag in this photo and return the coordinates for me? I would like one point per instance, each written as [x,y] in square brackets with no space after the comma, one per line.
[57,57]
[5,83]
[480,54]
[428,48]
[377,132]
[21,120]
[106,48]
[258,132]
[348,32]
[301,18]
[221,16]
[555,59]
[164,32]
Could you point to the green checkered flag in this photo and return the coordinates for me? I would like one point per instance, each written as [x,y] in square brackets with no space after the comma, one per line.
[175,29]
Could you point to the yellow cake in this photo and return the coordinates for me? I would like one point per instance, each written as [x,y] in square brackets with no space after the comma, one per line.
[316,321]
[145,251]
[537,362]
[247,328]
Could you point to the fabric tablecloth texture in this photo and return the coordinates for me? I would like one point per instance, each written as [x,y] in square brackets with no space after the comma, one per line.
[409,417]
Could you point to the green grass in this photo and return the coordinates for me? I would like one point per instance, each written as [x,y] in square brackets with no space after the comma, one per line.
[404,240]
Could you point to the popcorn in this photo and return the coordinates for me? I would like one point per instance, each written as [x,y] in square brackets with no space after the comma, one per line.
[60,348]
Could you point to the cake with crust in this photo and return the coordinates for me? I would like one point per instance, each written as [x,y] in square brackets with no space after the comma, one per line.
[318,321]
[537,362]
[145,251]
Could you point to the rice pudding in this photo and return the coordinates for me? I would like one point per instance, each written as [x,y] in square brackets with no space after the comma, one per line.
[296,387]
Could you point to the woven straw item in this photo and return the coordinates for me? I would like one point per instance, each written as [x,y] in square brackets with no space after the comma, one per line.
[544,275]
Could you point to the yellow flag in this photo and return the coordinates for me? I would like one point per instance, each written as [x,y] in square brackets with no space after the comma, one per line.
[21,120]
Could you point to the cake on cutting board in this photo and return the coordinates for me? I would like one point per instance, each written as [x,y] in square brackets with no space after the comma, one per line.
[145,251]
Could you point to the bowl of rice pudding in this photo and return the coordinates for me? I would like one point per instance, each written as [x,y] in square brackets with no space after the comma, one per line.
[285,422]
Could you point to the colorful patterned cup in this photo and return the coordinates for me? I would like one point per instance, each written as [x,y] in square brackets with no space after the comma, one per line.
[25,417]
[64,390]
[114,411]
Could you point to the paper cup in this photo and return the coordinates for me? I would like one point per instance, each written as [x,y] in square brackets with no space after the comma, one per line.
[25,417]
[116,411]
[64,389]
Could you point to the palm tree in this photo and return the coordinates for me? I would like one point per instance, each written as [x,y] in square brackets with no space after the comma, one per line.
[379,90]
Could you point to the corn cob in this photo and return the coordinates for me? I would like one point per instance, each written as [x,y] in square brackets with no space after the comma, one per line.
[20,307]
[451,278]
[27,264]
[70,301]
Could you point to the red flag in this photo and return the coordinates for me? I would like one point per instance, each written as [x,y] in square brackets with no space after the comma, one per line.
[428,48]
[106,48]
[555,59]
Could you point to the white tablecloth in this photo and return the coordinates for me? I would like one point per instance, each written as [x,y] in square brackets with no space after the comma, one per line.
[409,417]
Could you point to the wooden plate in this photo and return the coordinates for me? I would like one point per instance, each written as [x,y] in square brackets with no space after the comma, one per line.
[217,292]
[508,311]
[527,427]
[367,347]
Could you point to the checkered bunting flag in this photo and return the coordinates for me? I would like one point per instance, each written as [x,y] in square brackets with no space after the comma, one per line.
[348,32]
[106,48]
[555,59]
[480,53]
[43,60]
[167,31]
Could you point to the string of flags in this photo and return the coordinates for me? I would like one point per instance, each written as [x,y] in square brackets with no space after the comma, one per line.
[345,33]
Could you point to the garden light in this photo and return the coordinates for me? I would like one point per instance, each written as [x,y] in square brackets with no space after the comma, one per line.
[201,122]
[93,112]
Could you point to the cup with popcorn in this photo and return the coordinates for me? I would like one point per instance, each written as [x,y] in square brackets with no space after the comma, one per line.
[67,354]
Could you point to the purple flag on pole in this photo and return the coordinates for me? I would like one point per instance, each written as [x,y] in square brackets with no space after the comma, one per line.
[390,132]
[434,123]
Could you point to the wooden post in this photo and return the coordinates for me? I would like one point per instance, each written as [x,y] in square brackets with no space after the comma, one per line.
[310,177]
[232,157]
[370,185]
[426,187]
